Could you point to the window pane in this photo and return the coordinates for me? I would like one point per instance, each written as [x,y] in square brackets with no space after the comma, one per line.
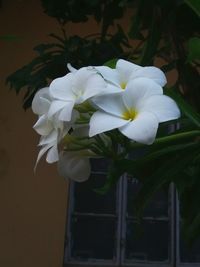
[157,207]
[86,200]
[99,165]
[148,241]
[93,238]
[190,254]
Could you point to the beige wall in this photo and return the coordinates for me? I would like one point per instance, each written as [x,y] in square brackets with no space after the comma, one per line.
[32,207]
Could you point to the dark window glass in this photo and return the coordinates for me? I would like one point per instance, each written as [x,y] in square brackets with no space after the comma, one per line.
[157,207]
[99,165]
[86,200]
[93,238]
[190,253]
[148,241]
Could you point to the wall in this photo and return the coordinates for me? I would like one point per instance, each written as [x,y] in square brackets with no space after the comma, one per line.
[32,207]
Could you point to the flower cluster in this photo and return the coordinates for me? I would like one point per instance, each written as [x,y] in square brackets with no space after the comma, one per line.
[86,112]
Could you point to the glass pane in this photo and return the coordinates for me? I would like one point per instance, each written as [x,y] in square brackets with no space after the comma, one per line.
[99,165]
[148,241]
[157,207]
[93,238]
[86,200]
[190,254]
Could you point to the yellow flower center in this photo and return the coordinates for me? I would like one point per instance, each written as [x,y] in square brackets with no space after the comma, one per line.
[129,114]
[123,85]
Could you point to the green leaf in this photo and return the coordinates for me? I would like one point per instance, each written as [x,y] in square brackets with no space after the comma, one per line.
[169,150]
[151,45]
[114,173]
[111,63]
[194,5]
[165,173]
[194,49]
[134,31]
[187,109]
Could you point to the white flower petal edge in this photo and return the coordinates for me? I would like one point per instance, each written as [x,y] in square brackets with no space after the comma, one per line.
[102,122]
[72,166]
[142,129]
[132,71]
[51,129]
[74,88]
[110,75]
[43,126]
[52,154]
[60,88]
[71,68]
[152,73]
[41,101]
[162,106]
[111,103]
[58,105]
[126,71]
[139,89]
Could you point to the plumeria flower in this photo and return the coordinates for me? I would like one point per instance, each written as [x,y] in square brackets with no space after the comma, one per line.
[74,165]
[73,89]
[51,130]
[136,113]
[126,71]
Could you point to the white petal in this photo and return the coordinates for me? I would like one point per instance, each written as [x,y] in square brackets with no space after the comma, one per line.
[101,122]
[66,112]
[61,88]
[109,74]
[125,69]
[41,153]
[59,105]
[139,89]
[95,86]
[72,166]
[43,126]
[52,155]
[152,73]
[112,89]
[56,106]
[80,80]
[41,101]
[70,68]
[162,106]
[112,103]
[49,139]
[143,129]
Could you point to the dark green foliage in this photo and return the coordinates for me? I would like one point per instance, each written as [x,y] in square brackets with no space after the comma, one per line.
[51,61]
[79,10]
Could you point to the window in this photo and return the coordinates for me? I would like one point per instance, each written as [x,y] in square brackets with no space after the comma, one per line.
[103,230]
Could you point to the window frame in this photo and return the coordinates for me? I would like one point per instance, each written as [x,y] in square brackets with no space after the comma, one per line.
[121,206]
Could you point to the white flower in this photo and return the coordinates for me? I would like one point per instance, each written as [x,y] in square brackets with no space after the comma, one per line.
[136,113]
[51,130]
[74,88]
[126,71]
[74,166]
